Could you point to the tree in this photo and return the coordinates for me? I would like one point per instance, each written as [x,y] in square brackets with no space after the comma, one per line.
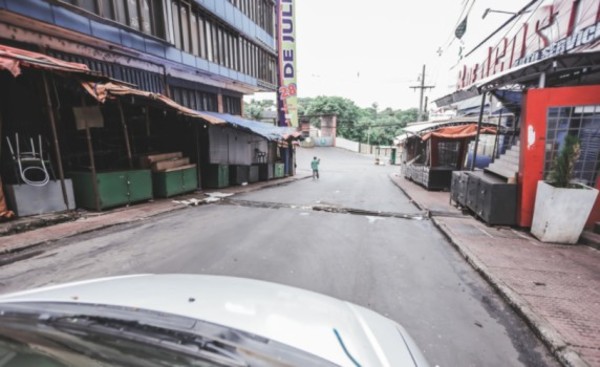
[348,114]
[254,110]
[378,127]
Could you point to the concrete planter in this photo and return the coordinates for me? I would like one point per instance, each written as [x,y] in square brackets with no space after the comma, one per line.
[560,213]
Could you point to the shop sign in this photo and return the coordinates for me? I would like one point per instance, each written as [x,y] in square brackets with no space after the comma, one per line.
[565,45]
[287,96]
[565,26]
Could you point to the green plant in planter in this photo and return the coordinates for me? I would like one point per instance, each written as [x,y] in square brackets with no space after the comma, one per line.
[564,164]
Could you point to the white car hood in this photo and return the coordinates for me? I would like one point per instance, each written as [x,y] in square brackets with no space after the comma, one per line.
[296,317]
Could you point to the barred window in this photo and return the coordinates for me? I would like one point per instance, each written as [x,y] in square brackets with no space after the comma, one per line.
[584,123]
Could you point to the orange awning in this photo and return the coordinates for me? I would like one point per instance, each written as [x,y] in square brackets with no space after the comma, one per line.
[12,59]
[459,132]
[102,91]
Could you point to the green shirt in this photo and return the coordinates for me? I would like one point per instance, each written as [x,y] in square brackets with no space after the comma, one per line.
[315,164]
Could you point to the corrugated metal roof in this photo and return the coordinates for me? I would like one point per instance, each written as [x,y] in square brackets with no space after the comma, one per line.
[421,128]
[266,130]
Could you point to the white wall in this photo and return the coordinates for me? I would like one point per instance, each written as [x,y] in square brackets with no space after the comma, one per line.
[347,144]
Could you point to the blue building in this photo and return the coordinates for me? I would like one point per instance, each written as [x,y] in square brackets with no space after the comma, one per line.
[204,54]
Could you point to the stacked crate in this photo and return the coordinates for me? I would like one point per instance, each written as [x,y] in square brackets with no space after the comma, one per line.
[172,173]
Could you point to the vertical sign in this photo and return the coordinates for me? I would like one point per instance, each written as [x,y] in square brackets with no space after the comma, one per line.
[287,98]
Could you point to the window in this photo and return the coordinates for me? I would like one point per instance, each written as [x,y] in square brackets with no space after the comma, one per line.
[215,44]
[580,121]
[185,27]
[132,11]
[141,15]
[176,24]
[202,37]
[260,12]
[209,41]
[220,45]
[232,105]
[234,51]
[194,31]
[448,154]
[145,16]
[120,12]
[225,43]
[107,10]
[195,99]
[89,5]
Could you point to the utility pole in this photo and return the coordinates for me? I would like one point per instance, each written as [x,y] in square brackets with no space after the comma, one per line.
[422,87]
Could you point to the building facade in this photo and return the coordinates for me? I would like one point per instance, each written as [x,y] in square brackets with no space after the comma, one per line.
[204,54]
[548,56]
[106,103]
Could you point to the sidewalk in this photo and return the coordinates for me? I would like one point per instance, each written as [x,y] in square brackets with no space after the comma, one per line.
[556,288]
[90,221]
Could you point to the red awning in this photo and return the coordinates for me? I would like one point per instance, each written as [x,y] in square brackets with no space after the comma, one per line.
[459,132]
[102,91]
[12,59]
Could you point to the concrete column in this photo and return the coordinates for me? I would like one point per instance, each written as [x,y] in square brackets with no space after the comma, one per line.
[329,127]
[220,105]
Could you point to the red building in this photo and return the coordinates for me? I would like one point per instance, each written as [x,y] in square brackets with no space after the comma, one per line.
[552,57]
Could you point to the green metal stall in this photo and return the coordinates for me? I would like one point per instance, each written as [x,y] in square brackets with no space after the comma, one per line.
[115,188]
[175,181]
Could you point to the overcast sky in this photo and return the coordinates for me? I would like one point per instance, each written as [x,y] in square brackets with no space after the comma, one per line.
[373,51]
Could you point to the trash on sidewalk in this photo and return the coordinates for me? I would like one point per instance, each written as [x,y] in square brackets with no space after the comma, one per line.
[220,195]
[213,197]
[190,202]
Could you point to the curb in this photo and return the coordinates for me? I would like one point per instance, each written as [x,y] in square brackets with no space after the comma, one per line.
[17,250]
[546,332]
[17,253]
[412,201]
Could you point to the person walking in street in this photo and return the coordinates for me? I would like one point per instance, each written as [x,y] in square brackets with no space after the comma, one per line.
[315,167]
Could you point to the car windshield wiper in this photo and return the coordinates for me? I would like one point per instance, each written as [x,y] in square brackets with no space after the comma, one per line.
[149,334]
[191,344]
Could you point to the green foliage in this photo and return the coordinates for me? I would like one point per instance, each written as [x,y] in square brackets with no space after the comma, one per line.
[564,164]
[254,109]
[366,125]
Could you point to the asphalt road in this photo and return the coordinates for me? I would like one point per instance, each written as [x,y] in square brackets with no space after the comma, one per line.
[402,268]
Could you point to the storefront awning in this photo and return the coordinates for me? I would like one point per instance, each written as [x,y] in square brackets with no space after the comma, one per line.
[13,59]
[420,128]
[582,66]
[102,91]
[266,130]
[458,132]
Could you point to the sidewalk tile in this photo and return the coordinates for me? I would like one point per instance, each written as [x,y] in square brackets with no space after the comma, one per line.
[560,284]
